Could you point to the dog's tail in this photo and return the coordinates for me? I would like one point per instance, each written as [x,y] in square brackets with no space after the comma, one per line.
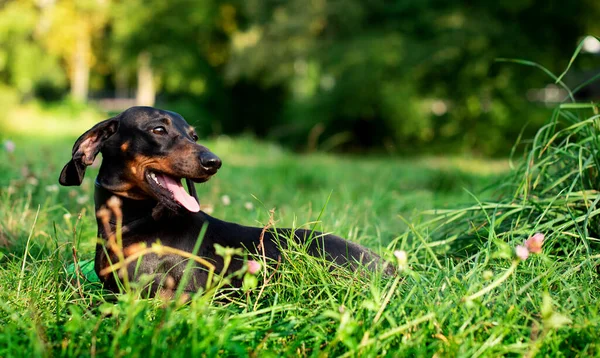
[338,250]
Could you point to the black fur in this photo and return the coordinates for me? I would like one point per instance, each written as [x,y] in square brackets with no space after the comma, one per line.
[149,214]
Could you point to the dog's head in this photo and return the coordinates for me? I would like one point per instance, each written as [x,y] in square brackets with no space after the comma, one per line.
[146,152]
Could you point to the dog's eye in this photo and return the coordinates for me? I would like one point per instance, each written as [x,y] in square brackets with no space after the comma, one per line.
[159,130]
[195,137]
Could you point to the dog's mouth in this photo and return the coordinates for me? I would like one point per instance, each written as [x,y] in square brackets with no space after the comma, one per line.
[170,188]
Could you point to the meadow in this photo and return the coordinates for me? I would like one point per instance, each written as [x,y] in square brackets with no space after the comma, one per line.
[453,226]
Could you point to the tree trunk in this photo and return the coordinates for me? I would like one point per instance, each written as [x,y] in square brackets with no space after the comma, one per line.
[146,93]
[81,68]
[121,84]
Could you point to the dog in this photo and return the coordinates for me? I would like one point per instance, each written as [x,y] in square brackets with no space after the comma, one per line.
[146,152]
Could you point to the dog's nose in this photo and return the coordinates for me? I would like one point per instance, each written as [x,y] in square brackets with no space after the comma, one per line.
[210,161]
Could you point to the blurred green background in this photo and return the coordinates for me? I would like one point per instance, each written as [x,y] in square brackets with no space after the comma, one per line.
[403,77]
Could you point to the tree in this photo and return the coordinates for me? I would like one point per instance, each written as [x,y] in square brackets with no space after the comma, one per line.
[408,71]
[25,66]
[166,41]
[69,28]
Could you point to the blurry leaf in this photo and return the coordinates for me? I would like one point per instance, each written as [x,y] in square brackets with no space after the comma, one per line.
[504,250]
[109,309]
[550,317]
[250,282]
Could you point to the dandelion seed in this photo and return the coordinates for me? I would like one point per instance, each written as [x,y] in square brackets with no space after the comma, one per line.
[9,146]
[534,243]
[52,188]
[248,206]
[226,200]
[253,267]
[522,252]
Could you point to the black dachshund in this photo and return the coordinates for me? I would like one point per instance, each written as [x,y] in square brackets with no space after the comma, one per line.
[146,153]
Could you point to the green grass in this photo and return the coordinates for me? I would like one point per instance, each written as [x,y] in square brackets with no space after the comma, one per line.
[546,305]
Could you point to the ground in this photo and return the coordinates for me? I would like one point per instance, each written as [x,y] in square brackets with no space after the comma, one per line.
[479,301]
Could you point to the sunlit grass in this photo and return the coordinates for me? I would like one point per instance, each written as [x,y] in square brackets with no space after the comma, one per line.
[463,288]
[34,121]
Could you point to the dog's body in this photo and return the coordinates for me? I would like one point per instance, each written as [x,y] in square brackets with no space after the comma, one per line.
[146,152]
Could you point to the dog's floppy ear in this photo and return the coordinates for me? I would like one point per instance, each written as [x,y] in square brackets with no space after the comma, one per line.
[85,150]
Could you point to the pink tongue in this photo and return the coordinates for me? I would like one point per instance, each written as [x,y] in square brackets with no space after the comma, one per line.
[179,193]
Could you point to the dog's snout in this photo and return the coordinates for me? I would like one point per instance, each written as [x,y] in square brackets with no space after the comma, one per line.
[210,160]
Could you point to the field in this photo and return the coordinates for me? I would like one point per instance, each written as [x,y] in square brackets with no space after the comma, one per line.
[461,292]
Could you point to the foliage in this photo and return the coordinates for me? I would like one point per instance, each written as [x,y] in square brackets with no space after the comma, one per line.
[24,65]
[176,37]
[554,190]
[401,76]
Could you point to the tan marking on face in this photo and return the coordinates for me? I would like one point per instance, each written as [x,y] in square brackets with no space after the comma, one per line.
[140,164]
[124,146]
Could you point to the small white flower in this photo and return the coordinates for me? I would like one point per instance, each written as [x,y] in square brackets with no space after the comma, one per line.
[67,216]
[9,145]
[209,209]
[226,200]
[82,199]
[253,267]
[52,188]
[402,258]
[32,181]
[522,252]
[534,243]
[248,206]
[488,275]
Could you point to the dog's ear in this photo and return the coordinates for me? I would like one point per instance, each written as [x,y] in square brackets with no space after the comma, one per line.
[85,150]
